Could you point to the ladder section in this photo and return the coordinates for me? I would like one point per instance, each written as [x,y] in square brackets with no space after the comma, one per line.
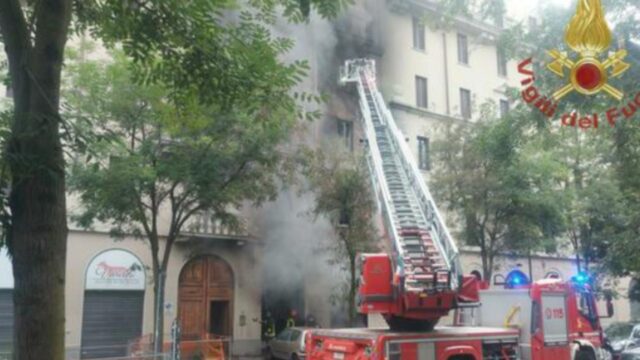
[424,268]
[427,258]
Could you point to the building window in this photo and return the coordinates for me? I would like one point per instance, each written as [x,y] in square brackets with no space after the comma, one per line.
[504,108]
[345,131]
[422,98]
[465,103]
[418,35]
[463,49]
[502,63]
[423,153]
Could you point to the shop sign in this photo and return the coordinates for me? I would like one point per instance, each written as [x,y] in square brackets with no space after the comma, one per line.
[115,270]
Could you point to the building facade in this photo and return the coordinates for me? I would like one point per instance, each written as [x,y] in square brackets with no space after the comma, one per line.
[213,285]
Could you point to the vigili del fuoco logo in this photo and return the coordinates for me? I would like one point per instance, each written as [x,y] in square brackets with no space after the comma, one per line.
[591,69]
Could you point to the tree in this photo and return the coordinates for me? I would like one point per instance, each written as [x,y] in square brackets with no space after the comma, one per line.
[621,257]
[339,180]
[172,158]
[490,178]
[188,45]
[596,201]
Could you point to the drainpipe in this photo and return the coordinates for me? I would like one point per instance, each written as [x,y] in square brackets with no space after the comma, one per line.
[446,72]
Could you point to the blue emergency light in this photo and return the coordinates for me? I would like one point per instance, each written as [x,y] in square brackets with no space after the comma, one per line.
[515,279]
[582,278]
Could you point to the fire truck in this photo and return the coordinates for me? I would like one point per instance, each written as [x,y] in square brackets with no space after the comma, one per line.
[419,279]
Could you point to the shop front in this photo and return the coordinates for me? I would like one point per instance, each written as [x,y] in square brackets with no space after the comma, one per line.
[113,304]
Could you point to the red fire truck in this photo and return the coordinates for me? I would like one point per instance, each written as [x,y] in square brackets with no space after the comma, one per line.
[420,280]
[547,319]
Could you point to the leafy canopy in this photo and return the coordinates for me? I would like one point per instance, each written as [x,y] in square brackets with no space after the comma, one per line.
[158,154]
[493,180]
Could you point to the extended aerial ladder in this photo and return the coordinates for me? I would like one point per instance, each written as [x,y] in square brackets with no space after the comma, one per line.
[418,281]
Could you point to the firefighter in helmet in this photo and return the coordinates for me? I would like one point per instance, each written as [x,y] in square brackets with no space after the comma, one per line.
[291,321]
[269,327]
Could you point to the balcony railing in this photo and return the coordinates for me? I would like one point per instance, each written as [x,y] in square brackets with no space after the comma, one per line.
[209,224]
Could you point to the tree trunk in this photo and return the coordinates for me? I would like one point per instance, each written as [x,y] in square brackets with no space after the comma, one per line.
[158,291]
[486,268]
[37,238]
[353,288]
[38,243]
[490,263]
[530,263]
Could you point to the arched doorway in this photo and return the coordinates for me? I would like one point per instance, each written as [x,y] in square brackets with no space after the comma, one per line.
[205,298]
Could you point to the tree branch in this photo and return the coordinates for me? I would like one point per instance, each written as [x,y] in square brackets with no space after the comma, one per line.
[186,217]
[15,35]
[14,31]
[52,25]
[143,216]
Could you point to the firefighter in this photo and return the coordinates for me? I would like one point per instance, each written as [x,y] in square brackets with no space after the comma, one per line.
[270,327]
[291,321]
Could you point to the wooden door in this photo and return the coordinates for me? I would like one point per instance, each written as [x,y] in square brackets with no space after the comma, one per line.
[205,298]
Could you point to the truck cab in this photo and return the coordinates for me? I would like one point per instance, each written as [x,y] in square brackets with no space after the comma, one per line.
[556,319]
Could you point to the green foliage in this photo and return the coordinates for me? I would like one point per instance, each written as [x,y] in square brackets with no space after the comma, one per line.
[215,49]
[202,135]
[598,190]
[492,178]
[494,10]
[184,157]
[340,181]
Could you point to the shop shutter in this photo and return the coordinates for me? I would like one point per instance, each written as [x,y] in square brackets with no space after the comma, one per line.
[6,321]
[110,321]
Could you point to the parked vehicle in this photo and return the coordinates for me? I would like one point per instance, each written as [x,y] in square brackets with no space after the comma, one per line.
[631,354]
[288,344]
[619,336]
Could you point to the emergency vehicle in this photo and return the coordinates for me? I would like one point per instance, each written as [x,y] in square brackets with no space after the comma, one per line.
[420,279]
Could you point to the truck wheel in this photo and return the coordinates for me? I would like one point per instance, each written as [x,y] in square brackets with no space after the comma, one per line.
[584,355]
[402,324]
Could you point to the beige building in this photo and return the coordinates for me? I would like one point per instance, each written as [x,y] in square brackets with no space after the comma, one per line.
[213,285]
